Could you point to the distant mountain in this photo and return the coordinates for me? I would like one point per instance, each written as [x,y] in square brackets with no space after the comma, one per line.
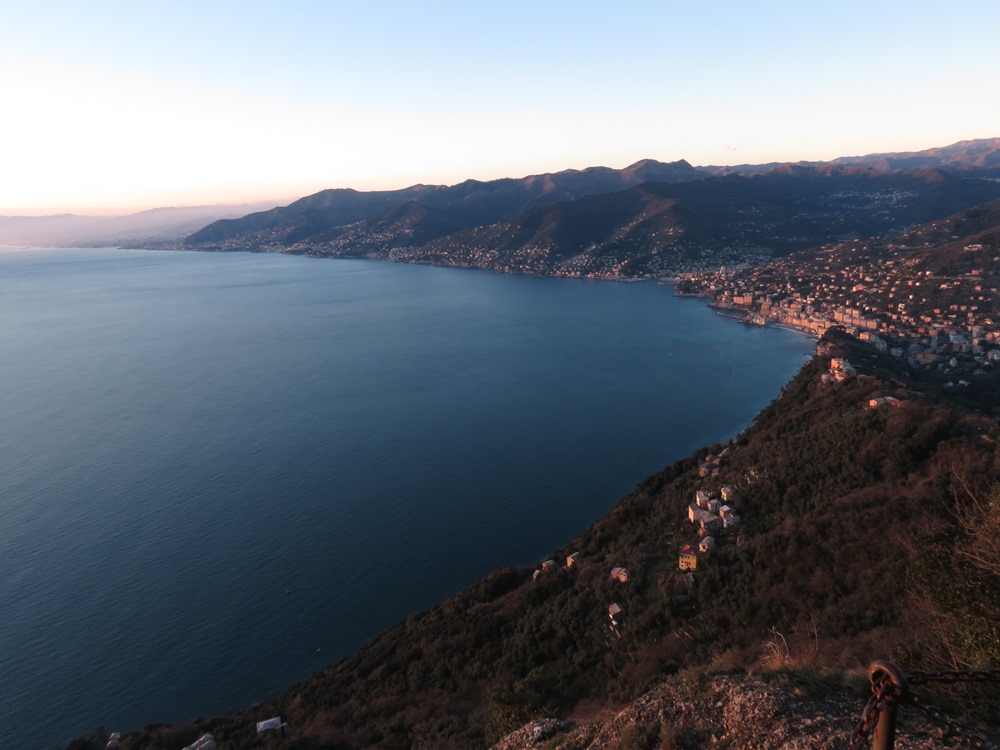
[958,156]
[154,225]
[964,155]
[672,219]
[469,203]
[656,228]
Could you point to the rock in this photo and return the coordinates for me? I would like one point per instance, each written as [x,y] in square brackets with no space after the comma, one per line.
[732,712]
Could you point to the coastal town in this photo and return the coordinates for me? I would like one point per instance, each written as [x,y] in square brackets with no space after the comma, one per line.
[927,297]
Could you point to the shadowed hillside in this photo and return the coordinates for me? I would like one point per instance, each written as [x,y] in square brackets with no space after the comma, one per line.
[844,521]
[650,220]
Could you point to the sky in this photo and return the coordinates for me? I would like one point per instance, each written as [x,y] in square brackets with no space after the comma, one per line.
[112,107]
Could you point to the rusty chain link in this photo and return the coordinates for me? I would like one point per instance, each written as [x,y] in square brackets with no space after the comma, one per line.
[884,691]
[881,691]
[954,675]
[935,714]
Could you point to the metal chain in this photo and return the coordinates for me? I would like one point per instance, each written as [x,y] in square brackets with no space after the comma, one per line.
[937,715]
[881,692]
[955,675]
[884,691]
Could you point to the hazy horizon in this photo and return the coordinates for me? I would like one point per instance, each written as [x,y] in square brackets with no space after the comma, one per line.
[121,108]
[261,204]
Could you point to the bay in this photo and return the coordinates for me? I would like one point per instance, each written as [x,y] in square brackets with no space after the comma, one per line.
[219,473]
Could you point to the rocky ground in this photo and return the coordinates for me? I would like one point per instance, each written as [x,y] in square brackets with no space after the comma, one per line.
[731,713]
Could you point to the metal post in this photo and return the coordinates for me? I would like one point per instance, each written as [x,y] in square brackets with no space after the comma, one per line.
[881,671]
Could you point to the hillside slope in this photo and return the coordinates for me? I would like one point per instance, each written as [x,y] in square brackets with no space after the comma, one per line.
[848,528]
[469,203]
[658,229]
[557,224]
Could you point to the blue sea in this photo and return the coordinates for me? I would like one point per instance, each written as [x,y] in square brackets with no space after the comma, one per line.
[221,472]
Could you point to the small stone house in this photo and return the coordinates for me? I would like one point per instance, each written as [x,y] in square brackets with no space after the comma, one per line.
[882,401]
[616,612]
[706,545]
[709,524]
[572,559]
[620,574]
[268,724]
[688,558]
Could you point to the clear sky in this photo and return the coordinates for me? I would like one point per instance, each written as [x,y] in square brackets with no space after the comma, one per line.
[114,106]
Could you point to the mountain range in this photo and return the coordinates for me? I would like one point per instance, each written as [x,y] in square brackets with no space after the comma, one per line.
[983,153]
[648,220]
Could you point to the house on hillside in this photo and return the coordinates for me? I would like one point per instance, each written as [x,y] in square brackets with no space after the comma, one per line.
[688,558]
[874,403]
[615,613]
[841,369]
[706,545]
[268,724]
[546,567]
[728,493]
[620,574]
[572,559]
[701,499]
[710,468]
[709,524]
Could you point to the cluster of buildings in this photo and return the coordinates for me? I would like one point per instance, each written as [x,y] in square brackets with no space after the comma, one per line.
[891,295]
[716,519]
[713,516]
[840,370]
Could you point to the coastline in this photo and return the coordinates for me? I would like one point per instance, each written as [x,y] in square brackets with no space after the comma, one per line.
[619,409]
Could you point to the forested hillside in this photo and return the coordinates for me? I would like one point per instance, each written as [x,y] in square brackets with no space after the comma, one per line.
[863,531]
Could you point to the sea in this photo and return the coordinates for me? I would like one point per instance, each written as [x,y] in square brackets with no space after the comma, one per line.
[221,472]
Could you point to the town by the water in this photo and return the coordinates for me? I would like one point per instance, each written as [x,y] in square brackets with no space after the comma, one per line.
[925,297]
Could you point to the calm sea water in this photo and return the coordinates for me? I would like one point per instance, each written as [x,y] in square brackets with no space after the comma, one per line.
[219,473]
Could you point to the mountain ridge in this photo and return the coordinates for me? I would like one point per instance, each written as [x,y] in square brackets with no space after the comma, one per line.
[488,224]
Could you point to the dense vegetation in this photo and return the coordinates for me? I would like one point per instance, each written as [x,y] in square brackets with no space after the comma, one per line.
[866,532]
